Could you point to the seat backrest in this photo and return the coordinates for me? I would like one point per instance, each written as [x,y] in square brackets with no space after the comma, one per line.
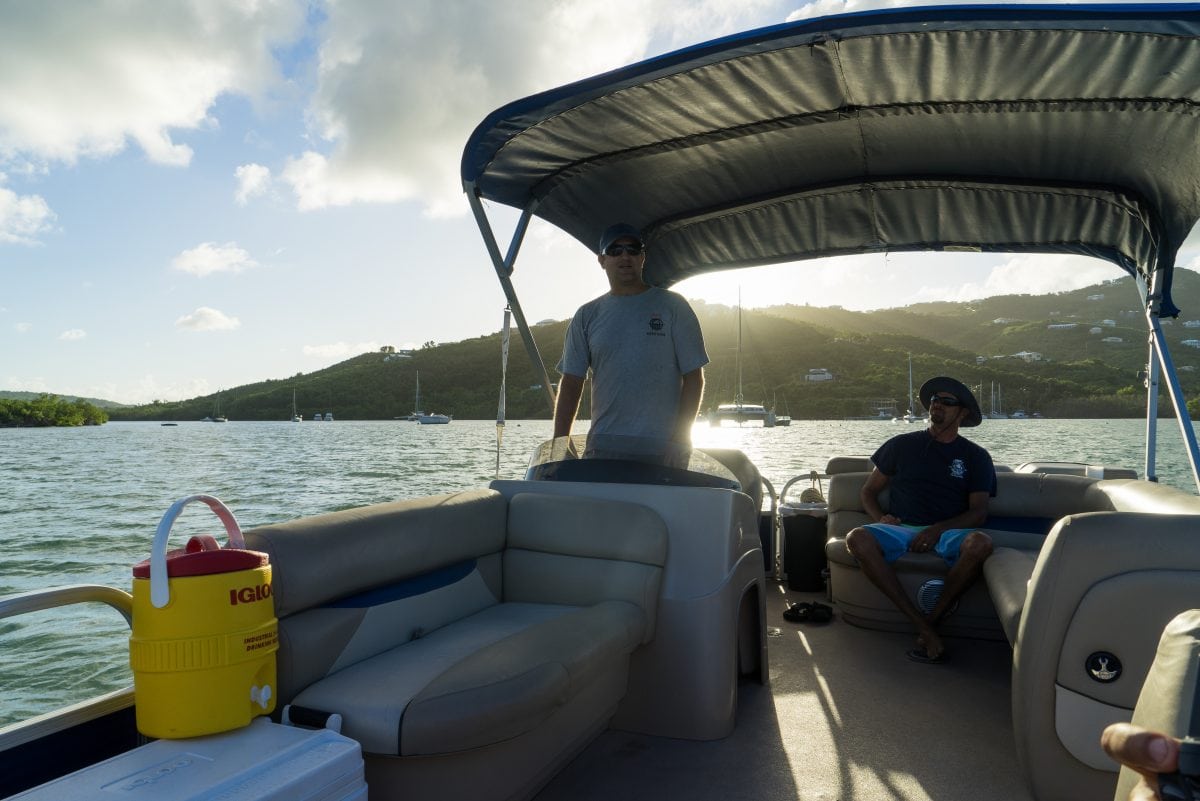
[848,464]
[579,551]
[844,504]
[1104,586]
[350,584]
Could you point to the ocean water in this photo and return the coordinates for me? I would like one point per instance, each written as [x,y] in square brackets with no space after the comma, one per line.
[80,506]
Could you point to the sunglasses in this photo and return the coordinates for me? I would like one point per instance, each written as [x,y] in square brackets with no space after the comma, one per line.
[618,249]
[945,400]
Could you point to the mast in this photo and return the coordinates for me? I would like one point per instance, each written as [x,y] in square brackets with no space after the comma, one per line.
[738,397]
[912,406]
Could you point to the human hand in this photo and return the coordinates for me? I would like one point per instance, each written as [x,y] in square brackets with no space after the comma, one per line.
[925,541]
[1147,752]
[891,520]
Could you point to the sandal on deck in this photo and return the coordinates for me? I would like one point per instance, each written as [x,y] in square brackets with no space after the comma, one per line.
[808,613]
[919,654]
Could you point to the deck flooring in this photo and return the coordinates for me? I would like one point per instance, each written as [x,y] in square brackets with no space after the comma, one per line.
[847,717]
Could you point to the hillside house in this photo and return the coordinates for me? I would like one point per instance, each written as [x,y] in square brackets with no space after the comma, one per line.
[1061,326]
[1109,323]
[1095,329]
[1003,321]
[818,374]
[1095,297]
[1029,356]
[1192,324]
[1191,343]
[1112,339]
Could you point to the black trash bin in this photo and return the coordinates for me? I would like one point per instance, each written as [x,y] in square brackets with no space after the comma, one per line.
[804,546]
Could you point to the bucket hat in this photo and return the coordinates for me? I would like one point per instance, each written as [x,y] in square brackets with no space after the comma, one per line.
[959,390]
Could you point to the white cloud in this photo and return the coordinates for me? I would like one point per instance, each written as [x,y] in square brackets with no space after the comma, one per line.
[1035,274]
[23,328]
[206,319]
[398,92]
[18,384]
[23,217]
[823,8]
[340,350]
[137,70]
[253,180]
[72,335]
[208,258]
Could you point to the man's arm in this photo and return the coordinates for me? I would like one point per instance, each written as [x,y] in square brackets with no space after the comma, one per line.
[689,404]
[566,403]
[876,483]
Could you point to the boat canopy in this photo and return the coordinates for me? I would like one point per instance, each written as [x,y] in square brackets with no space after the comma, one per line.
[1031,128]
[1004,128]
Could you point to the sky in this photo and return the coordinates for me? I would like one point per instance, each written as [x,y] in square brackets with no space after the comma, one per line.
[199,194]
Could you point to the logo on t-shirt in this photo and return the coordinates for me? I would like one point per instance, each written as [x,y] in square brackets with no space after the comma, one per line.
[656,325]
[958,469]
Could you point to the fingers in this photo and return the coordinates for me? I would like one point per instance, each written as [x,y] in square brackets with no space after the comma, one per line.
[1145,751]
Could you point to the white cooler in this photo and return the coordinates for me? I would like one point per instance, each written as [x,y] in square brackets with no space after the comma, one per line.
[263,761]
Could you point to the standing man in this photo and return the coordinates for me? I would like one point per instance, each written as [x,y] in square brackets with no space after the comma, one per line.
[646,354]
[940,484]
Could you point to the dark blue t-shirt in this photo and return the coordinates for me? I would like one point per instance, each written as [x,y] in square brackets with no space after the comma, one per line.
[930,481]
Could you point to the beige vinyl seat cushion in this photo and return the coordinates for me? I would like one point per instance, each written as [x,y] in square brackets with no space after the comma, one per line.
[480,680]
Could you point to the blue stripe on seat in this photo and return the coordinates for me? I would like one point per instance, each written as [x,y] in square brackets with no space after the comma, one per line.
[1028,525]
[418,585]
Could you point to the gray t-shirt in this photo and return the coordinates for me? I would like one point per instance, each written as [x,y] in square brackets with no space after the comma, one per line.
[638,348]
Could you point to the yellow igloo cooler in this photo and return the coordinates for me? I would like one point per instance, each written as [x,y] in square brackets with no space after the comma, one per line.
[204,633]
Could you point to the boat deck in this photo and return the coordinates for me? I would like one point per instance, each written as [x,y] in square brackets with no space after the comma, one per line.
[846,716]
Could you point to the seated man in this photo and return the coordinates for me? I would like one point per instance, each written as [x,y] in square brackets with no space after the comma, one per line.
[940,484]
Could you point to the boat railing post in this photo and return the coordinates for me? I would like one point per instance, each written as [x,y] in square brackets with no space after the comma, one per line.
[504,270]
[1159,347]
[1162,366]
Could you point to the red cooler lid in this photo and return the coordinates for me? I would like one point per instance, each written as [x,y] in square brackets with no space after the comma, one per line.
[202,556]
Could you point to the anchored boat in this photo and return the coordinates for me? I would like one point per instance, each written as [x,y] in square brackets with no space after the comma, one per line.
[598,629]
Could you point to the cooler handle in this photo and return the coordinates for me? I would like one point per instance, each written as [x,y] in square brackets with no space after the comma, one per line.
[160,590]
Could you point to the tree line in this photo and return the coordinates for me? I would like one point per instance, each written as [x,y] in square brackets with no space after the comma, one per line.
[49,410]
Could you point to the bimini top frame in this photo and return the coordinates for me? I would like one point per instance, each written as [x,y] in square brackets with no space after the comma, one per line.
[1061,129]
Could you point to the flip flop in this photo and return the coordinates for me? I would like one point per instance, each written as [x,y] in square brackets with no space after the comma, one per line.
[921,655]
[820,613]
[808,613]
[798,613]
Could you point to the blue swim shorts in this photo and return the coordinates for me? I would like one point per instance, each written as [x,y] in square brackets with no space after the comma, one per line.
[895,539]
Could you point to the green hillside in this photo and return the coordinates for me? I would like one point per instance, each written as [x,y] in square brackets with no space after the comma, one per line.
[33,396]
[867,353]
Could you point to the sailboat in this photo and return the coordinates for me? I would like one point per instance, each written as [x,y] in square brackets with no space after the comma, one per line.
[296,418]
[420,416]
[739,411]
[217,417]
[911,416]
[997,406]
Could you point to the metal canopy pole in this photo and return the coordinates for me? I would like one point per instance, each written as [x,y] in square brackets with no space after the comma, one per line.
[1160,357]
[504,269]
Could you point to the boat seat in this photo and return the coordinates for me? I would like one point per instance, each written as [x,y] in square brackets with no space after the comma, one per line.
[469,642]
[849,464]
[1104,587]
[1025,508]
[1169,693]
